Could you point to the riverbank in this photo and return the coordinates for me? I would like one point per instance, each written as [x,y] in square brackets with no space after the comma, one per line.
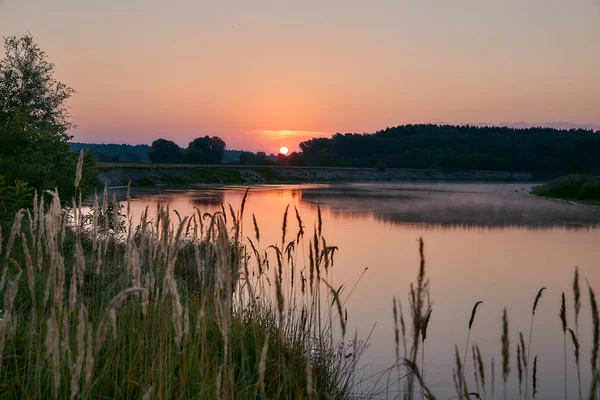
[577,189]
[117,174]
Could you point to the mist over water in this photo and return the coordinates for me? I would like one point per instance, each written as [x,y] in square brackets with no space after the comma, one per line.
[490,242]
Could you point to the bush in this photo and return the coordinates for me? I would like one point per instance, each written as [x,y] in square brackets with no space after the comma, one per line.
[577,187]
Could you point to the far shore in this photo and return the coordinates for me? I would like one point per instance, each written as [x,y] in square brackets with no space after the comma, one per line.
[146,175]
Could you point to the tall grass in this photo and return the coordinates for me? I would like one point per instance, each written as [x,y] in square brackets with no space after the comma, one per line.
[189,308]
[523,350]
[193,308]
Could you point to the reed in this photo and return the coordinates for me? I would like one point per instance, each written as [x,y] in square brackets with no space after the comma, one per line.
[423,337]
[535,304]
[576,354]
[563,320]
[534,377]
[471,320]
[519,369]
[505,350]
[481,369]
[160,308]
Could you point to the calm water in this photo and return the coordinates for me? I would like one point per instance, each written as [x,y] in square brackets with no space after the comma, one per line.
[489,242]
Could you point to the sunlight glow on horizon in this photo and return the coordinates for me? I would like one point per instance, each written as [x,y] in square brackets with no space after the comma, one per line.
[312,68]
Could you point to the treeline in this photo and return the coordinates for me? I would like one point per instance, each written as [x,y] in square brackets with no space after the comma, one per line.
[115,152]
[536,150]
[202,150]
[162,151]
[261,158]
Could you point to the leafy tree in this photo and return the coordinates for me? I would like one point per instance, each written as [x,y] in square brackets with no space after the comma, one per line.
[205,150]
[165,151]
[34,120]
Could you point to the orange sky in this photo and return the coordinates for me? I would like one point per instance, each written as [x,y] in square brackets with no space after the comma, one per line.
[263,74]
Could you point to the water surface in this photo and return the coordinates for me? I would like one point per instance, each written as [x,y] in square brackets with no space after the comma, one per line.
[490,242]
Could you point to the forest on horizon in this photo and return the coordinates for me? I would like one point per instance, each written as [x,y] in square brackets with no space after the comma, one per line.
[536,150]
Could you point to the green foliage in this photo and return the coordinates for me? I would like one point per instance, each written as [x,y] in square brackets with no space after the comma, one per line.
[205,150]
[34,147]
[576,187]
[115,152]
[165,151]
[13,198]
[537,150]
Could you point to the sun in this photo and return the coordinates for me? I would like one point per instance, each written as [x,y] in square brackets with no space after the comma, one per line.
[284,150]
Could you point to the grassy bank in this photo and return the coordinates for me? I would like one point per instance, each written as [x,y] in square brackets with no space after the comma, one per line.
[95,307]
[144,174]
[571,187]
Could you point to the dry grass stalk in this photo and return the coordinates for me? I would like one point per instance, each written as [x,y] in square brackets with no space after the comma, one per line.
[412,367]
[110,312]
[77,367]
[493,374]
[15,230]
[462,384]
[262,366]
[300,226]
[481,369]
[576,353]
[563,319]
[535,304]
[475,375]
[338,303]
[79,171]
[177,314]
[471,320]
[148,394]
[505,350]
[519,369]
[53,349]
[596,329]
[256,230]
[65,339]
[6,321]
[30,270]
[534,376]
[423,337]
[319,219]
[419,307]
[577,299]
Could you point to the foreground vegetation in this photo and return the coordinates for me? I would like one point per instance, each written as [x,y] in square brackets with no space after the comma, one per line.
[95,307]
[572,187]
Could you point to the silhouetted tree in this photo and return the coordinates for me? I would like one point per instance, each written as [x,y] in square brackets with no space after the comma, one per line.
[165,151]
[543,151]
[205,150]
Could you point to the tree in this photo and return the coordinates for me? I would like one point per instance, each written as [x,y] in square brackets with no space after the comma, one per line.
[165,151]
[34,121]
[205,150]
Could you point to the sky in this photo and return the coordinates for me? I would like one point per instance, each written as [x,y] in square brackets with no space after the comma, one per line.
[266,73]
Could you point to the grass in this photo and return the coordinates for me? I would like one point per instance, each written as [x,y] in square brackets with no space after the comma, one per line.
[571,187]
[407,367]
[195,308]
[166,309]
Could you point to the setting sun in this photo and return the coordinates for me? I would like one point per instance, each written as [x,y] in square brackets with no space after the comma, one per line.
[284,150]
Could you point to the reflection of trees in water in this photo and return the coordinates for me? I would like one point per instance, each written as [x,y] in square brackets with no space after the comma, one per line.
[207,198]
[452,210]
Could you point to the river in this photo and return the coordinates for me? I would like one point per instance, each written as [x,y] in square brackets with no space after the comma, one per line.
[494,243]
